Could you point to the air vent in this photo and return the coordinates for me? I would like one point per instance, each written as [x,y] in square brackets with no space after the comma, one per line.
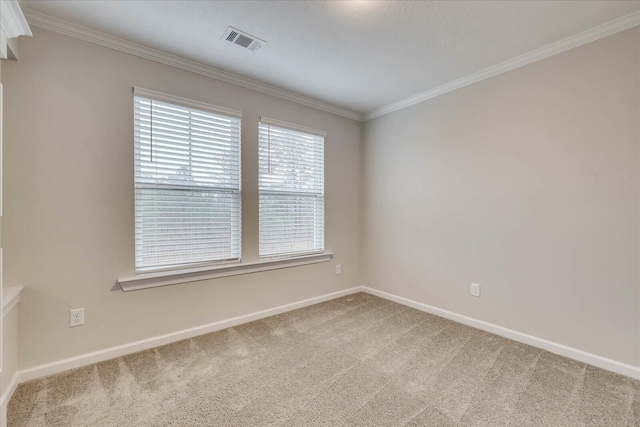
[242,39]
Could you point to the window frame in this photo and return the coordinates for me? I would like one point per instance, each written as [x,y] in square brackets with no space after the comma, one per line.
[307,131]
[206,108]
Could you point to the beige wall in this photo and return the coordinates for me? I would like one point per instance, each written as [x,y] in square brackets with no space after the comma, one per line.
[527,183]
[68,230]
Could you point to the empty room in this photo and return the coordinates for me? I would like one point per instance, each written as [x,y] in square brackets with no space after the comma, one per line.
[319,213]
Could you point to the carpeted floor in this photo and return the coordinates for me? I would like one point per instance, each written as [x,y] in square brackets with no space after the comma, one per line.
[358,360]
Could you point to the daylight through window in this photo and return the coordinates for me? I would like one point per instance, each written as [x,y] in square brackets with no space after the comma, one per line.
[291,189]
[187,183]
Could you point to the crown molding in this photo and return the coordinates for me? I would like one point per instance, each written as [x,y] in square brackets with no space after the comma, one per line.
[601,31]
[83,33]
[13,21]
[64,27]
[12,24]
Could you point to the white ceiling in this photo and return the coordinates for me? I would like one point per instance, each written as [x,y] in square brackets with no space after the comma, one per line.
[359,55]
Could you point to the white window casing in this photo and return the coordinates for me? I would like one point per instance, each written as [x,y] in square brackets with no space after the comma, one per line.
[187,183]
[291,189]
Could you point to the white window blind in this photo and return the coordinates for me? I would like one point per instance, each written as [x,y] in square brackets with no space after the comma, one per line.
[187,183]
[291,189]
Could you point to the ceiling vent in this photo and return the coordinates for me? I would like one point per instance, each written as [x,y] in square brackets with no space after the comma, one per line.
[243,39]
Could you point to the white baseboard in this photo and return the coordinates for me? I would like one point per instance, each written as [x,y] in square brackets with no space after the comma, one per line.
[113,352]
[6,396]
[563,350]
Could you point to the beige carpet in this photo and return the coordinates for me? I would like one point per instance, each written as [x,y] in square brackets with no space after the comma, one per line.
[358,360]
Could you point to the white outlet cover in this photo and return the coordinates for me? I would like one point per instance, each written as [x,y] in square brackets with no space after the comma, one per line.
[76,317]
[338,269]
[475,289]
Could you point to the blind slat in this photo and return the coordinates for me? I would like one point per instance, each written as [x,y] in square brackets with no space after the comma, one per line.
[291,191]
[187,179]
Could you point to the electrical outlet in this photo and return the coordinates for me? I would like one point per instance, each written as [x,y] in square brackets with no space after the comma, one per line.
[76,317]
[475,290]
[338,269]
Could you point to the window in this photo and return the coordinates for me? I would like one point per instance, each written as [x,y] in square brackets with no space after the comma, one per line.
[291,189]
[187,182]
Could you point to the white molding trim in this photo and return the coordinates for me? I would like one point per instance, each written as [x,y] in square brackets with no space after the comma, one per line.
[113,352]
[64,27]
[121,350]
[189,103]
[6,397]
[13,21]
[292,126]
[10,298]
[12,24]
[166,278]
[562,350]
[596,33]
[67,28]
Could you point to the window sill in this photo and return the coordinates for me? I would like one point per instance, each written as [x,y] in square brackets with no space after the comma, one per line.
[166,278]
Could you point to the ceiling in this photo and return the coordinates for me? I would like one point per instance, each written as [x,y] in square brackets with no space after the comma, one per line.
[358,55]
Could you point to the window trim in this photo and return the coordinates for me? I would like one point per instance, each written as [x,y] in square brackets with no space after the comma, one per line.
[292,126]
[197,105]
[303,129]
[174,277]
[184,102]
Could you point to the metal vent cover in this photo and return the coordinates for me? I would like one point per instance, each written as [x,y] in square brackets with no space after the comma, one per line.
[242,39]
